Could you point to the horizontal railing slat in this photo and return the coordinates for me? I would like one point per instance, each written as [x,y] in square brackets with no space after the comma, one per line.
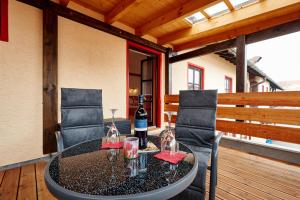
[171,98]
[290,98]
[280,133]
[171,108]
[286,134]
[268,115]
[251,115]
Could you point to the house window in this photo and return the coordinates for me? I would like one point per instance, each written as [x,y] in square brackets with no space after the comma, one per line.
[228,84]
[3,20]
[195,77]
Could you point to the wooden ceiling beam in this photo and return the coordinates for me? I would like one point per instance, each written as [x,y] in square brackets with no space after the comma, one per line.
[64,2]
[264,25]
[221,47]
[229,5]
[88,6]
[93,23]
[118,11]
[174,15]
[205,14]
[205,50]
[263,11]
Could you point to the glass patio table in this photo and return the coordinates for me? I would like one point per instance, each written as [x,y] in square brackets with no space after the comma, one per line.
[84,171]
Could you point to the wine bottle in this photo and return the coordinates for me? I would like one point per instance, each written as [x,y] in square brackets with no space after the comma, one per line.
[141,124]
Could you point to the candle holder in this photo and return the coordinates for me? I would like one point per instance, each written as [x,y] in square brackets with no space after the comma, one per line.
[131,147]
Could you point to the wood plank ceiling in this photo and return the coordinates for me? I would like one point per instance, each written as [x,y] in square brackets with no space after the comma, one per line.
[165,19]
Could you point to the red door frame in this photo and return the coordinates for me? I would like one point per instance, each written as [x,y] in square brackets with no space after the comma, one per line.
[192,65]
[4,20]
[159,79]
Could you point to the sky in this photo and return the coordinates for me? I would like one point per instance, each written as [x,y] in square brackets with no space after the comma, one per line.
[280,56]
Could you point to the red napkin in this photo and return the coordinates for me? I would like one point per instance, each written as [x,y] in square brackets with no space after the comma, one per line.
[110,145]
[173,158]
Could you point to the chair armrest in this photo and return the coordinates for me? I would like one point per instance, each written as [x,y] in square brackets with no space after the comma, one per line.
[216,145]
[59,141]
[214,167]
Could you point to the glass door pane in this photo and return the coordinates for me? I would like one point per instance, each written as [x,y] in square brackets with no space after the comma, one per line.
[190,75]
[147,87]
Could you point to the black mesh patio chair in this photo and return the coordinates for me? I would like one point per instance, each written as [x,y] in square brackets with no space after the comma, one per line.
[195,127]
[81,117]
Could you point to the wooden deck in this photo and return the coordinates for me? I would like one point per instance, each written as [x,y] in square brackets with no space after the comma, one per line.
[240,175]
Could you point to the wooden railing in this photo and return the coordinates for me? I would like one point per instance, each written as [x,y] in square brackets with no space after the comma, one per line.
[278,120]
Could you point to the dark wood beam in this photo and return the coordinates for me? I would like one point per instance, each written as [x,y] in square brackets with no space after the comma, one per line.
[168,73]
[36,3]
[50,73]
[241,64]
[205,50]
[273,32]
[64,2]
[269,33]
[94,23]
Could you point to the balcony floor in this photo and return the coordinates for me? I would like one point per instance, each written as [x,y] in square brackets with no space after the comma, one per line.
[241,176]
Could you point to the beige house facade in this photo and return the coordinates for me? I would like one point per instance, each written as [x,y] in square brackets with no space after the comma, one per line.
[97,61]
[216,72]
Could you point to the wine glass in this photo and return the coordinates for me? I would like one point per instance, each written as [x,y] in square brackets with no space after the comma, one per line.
[112,156]
[113,135]
[171,173]
[168,142]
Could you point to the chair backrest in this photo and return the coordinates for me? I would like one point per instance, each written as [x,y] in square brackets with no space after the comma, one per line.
[196,117]
[81,115]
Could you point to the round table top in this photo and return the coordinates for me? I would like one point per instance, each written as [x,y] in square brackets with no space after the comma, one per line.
[84,171]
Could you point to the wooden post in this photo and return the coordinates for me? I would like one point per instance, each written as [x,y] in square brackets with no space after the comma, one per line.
[50,93]
[168,73]
[241,64]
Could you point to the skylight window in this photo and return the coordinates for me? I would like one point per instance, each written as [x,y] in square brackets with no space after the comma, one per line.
[242,3]
[197,17]
[217,9]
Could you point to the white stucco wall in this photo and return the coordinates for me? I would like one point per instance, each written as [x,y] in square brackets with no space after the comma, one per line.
[215,70]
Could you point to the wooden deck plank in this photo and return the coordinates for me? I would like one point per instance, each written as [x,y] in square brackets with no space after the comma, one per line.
[258,185]
[236,191]
[243,186]
[241,176]
[27,185]
[9,186]
[292,169]
[222,194]
[267,169]
[280,183]
[239,189]
[258,161]
[42,190]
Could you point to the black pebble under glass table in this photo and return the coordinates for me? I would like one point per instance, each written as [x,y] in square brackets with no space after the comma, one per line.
[85,171]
